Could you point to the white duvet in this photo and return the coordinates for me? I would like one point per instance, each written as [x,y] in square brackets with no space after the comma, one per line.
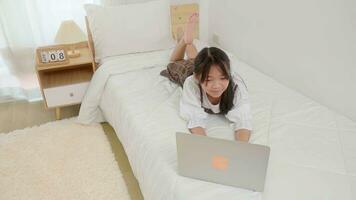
[312,148]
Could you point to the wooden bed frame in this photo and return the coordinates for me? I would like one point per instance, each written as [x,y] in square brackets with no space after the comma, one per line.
[179,18]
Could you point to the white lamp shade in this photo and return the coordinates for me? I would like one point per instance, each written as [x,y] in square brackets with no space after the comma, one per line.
[69,32]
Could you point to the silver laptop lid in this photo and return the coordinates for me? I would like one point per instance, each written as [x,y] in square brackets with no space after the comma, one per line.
[222,161]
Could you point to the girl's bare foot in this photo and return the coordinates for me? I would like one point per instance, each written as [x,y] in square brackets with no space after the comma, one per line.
[189,30]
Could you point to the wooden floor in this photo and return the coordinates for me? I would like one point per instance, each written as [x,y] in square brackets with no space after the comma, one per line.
[21,114]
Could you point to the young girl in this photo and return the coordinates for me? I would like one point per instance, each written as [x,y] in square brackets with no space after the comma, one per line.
[212,89]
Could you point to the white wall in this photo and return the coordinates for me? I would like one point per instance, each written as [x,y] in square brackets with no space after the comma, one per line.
[203,11]
[119,2]
[308,45]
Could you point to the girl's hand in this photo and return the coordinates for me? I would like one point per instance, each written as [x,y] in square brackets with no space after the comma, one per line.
[242,135]
[198,131]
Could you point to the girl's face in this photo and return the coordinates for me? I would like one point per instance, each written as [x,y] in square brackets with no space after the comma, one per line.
[215,83]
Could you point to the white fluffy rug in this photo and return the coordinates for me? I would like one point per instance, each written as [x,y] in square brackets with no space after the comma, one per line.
[59,160]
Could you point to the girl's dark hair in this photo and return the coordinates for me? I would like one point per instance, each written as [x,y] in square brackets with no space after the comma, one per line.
[208,57]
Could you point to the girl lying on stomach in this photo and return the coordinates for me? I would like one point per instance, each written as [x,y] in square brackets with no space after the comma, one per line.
[212,88]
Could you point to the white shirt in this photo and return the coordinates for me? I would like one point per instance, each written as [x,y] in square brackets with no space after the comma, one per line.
[192,111]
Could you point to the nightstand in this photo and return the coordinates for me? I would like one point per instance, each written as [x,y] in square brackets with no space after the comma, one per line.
[65,84]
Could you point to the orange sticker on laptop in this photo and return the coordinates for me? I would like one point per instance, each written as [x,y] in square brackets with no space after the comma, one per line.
[220,162]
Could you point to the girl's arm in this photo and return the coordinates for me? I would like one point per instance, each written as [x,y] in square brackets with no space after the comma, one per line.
[240,114]
[242,135]
[198,131]
[190,107]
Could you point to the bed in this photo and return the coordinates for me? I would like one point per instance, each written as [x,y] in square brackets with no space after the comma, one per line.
[312,148]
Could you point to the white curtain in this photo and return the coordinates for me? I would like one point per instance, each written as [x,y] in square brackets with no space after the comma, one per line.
[25,25]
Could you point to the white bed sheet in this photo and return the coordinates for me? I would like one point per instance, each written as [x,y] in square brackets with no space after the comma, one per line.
[312,148]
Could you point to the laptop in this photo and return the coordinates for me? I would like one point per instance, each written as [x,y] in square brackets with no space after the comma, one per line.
[227,162]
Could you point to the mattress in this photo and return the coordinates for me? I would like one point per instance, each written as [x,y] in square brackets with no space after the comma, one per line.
[312,148]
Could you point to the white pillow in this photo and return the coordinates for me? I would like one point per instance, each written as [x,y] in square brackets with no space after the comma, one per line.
[129,28]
